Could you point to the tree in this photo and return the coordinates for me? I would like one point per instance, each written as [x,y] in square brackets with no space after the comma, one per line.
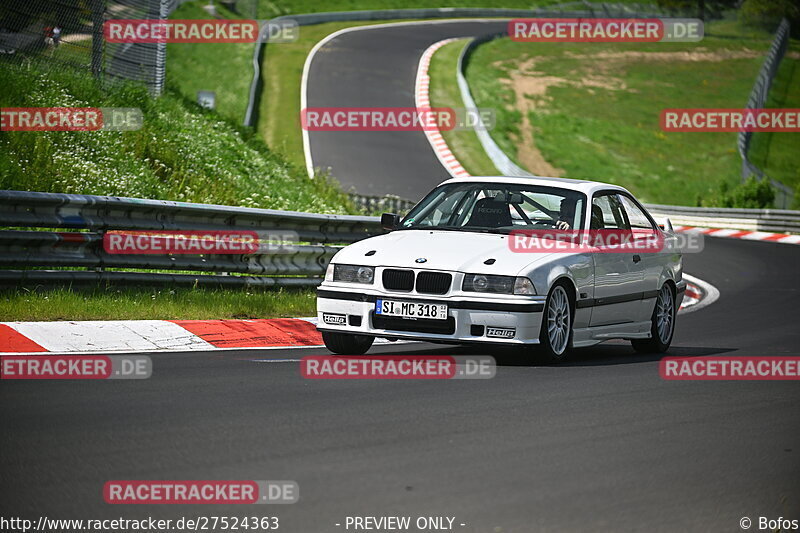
[699,7]
[768,13]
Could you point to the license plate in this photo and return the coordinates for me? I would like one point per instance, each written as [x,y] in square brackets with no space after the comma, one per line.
[411,309]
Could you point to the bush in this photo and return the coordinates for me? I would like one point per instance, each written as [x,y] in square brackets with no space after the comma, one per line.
[768,13]
[752,194]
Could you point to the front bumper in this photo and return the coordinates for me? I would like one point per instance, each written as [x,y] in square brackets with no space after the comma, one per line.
[469,320]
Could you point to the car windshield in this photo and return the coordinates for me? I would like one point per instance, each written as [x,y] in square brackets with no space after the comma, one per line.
[497,207]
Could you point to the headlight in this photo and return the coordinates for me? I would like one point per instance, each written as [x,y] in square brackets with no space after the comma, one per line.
[353,273]
[497,284]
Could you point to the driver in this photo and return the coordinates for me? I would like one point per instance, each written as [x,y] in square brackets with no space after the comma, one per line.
[566,213]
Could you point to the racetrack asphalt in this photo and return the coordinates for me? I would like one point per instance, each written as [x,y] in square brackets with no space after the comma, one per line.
[377,68]
[600,443]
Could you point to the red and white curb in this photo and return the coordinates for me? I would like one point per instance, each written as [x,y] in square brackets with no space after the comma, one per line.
[154,335]
[126,336]
[783,238]
[699,294]
[423,101]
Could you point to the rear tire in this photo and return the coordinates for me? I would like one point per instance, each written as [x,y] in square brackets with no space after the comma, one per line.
[662,324]
[347,343]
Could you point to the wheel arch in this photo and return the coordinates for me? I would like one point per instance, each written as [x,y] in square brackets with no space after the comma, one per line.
[572,290]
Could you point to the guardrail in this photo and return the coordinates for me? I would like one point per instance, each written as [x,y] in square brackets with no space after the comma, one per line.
[26,245]
[770,220]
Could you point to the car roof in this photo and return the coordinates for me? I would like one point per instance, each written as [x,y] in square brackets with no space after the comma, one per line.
[584,186]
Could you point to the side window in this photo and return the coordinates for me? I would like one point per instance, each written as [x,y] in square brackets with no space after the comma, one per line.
[636,217]
[608,213]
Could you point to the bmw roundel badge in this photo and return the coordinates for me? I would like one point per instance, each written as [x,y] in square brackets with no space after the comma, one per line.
[420,260]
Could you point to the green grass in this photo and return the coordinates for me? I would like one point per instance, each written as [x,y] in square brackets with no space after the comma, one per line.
[155,304]
[78,53]
[181,153]
[225,68]
[613,134]
[444,92]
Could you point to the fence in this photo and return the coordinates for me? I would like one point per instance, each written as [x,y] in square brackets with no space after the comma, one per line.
[375,205]
[69,33]
[758,100]
[24,252]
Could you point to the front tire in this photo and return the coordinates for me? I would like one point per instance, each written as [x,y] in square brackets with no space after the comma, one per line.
[663,324]
[346,343]
[555,338]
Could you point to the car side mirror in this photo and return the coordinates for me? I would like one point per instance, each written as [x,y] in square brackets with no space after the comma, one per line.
[390,221]
[665,224]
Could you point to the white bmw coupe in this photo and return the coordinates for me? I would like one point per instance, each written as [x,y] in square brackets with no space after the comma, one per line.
[543,263]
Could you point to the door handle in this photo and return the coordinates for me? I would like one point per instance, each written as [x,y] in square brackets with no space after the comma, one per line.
[637,258]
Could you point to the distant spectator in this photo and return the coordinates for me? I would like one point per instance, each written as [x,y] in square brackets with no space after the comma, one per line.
[48,35]
[56,36]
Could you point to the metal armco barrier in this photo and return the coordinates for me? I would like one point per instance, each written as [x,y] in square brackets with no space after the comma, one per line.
[10,278]
[318,238]
[25,253]
[770,220]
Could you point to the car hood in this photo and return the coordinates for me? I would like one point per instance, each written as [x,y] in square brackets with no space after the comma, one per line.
[442,250]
